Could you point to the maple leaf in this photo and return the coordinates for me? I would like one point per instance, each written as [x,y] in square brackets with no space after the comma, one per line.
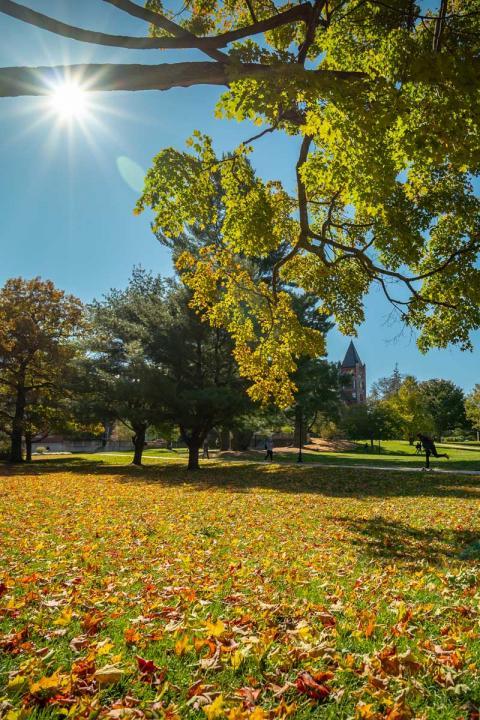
[215,629]
[307,685]
[215,709]
[109,675]
[46,687]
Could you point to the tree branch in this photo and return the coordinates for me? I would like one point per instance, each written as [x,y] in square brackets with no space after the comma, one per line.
[20,12]
[164,24]
[15,81]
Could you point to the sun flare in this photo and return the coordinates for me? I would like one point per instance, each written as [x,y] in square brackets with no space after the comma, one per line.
[69,101]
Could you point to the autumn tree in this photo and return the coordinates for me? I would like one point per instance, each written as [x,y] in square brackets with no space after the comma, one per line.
[37,325]
[381,100]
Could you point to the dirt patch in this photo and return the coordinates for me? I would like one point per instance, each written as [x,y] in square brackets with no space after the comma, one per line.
[319,445]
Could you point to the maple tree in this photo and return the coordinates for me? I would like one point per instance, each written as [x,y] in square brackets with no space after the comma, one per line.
[382,99]
[37,325]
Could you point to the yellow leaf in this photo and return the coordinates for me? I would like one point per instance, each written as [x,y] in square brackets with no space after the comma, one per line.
[46,686]
[216,629]
[104,648]
[237,659]
[64,618]
[182,645]
[215,709]
[257,714]
[109,675]
[17,684]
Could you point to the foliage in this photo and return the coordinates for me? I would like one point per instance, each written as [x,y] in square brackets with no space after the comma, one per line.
[408,403]
[38,323]
[159,363]
[255,595]
[382,101]
[374,420]
[387,386]
[445,402]
[472,407]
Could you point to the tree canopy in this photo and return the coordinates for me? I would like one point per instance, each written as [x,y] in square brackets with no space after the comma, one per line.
[37,325]
[382,99]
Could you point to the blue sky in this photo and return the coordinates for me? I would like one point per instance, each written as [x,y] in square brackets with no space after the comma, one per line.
[66,211]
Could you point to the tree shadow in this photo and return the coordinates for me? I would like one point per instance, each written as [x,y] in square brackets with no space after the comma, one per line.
[393,540]
[241,477]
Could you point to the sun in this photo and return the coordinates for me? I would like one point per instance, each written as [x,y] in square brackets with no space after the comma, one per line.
[69,101]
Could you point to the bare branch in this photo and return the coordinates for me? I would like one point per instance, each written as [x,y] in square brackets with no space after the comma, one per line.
[20,12]
[15,81]
[165,24]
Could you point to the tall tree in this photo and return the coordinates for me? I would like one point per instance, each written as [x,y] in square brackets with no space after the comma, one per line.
[445,402]
[387,386]
[118,381]
[158,362]
[472,407]
[382,101]
[37,325]
[409,404]
[201,386]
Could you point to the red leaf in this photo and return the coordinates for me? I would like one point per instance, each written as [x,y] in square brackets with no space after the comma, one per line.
[308,686]
[146,667]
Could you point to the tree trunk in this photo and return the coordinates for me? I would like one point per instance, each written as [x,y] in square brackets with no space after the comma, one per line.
[28,446]
[138,443]
[300,431]
[16,435]
[241,440]
[193,452]
[225,440]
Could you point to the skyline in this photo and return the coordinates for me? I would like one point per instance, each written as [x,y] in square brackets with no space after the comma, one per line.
[67,209]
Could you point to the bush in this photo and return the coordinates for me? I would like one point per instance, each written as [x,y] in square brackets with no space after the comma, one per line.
[40,450]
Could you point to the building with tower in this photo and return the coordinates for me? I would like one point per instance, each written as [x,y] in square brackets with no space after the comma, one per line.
[354,390]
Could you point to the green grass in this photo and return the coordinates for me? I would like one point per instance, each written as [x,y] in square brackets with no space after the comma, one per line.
[393,452]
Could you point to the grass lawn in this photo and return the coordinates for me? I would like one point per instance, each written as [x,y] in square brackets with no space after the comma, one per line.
[240,591]
[393,452]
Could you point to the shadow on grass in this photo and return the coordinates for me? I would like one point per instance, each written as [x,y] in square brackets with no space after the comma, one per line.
[391,540]
[238,477]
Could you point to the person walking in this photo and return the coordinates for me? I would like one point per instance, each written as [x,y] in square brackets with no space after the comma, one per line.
[430,449]
[269,449]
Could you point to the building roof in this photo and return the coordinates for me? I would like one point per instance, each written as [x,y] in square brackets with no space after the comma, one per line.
[352,357]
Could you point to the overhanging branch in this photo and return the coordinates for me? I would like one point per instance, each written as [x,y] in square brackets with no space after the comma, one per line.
[15,81]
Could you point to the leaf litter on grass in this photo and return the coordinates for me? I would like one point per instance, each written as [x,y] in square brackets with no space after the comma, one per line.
[329,594]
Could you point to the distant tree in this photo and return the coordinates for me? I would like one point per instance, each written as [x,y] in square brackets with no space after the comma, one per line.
[318,394]
[372,421]
[387,386]
[37,325]
[472,407]
[445,402]
[409,405]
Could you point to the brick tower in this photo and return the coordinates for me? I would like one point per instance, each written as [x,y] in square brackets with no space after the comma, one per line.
[355,390]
